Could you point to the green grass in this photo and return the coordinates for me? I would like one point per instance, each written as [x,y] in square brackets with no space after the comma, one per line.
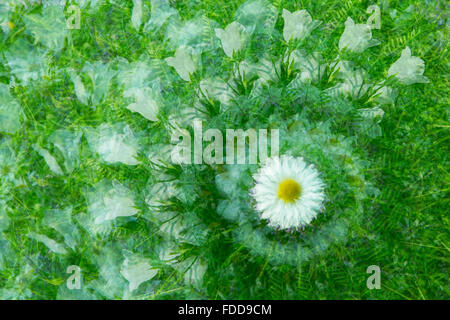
[405,229]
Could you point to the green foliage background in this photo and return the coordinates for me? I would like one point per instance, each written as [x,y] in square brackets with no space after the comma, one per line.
[407,233]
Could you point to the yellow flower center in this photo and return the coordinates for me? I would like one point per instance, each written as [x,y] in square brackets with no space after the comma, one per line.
[10,25]
[289,190]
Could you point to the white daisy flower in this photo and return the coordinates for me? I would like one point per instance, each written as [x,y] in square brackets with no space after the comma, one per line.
[288,192]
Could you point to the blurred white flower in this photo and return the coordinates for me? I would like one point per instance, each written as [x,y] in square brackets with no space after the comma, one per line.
[182,62]
[68,143]
[49,243]
[27,62]
[136,15]
[136,270]
[136,74]
[385,95]
[161,12]
[356,37]
[232,38]
[160,192]
[8,166]
[372,113]
[215,88]
[49,28]
[113,143]
[80,89]
[5,14]
[352,83]
[5,221]
[257,16]
[61,221]
[49,159]
[197,34]
[100,75]
[310,70]
[145,102]
[193,269]
[117,205]
[408,69]
[298,25]
[110,200]
[10,111]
